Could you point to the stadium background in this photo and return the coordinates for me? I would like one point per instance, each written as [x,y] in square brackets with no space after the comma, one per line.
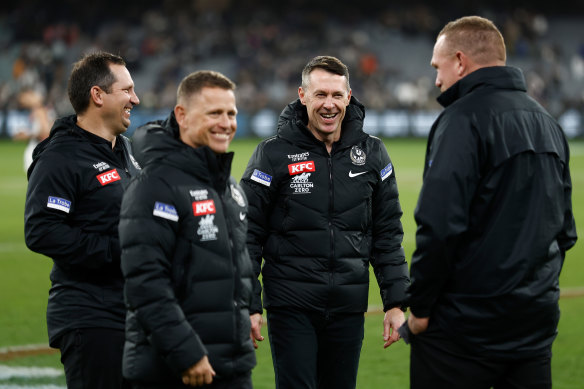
[263,46]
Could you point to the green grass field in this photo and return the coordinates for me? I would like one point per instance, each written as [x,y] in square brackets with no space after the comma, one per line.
[24,281]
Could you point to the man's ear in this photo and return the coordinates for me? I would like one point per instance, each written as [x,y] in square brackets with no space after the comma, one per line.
[96,94]
[179,114]
[301,95]
[465,64]
[460,63]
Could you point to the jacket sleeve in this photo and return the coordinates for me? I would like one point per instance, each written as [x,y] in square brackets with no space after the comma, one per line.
[388,258]
[451,176]
[150,243]
[568,236]
[260,198]
[48,226]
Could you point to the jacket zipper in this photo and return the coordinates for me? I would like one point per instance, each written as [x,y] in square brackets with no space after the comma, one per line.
[236,270]
[331,234]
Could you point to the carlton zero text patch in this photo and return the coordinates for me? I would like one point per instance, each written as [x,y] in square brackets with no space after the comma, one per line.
[301,184]
[59,203]
[261,177]
[386,171]
[301,167]
[165,211]
[204,207]
[207,229]
[108,177]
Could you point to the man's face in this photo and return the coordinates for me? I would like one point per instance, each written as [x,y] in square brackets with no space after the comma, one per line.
[120,100]
[446,64]
[326,98]
[208,118]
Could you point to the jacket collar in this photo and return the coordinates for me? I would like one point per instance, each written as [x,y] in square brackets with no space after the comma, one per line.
[497,77]
[64,130]
[159,142]
[294,118]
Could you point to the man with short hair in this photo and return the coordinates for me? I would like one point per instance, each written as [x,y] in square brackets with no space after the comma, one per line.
[75,188]
[184,257]
[323,206]
[494,223]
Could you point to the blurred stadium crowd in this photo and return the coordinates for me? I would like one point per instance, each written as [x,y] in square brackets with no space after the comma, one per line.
[263,45]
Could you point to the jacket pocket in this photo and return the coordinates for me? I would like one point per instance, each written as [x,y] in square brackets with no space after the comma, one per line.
[142,363]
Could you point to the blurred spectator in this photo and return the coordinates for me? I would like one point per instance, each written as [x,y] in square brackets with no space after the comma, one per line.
[37,125]
[262,45]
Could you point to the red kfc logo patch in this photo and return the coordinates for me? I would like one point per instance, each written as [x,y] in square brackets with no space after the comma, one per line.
[204,207]
[108,177]
[301,167]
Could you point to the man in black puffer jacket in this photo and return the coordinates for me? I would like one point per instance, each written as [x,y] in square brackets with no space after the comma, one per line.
[184,258]
[323,205]
[75,188]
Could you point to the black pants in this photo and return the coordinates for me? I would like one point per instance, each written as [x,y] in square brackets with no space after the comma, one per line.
[92,358]
[315,350]
[242,381]
[438,362]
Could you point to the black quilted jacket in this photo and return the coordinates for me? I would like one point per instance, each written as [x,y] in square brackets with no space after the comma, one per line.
[184,258]
[318,219]
[75,189]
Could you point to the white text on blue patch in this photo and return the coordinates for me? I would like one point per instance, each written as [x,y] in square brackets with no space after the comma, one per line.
[59,203]
[165,211]
[261,177]
[386,171]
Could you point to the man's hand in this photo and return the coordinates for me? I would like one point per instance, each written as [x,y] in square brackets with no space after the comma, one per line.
[201,373]
[392,320]
[256,325]
[417,324]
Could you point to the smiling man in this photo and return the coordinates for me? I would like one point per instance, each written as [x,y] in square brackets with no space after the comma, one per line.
[323,204]
[184,257]
[75,188]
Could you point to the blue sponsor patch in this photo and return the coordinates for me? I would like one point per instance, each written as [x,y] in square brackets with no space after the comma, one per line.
[59,203]
[386,171]
[165,211]
[261,177]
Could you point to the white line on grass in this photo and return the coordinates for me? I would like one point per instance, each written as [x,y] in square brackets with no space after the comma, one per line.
[24,349]
[31,387]
[8,372]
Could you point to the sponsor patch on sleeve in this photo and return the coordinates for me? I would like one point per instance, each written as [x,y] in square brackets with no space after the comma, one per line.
[165,211]
[386,171]
[59,203]
[261,177]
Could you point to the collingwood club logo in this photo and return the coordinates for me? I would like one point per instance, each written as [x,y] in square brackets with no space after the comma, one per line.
[358,156]
[135,163]
[237,196]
